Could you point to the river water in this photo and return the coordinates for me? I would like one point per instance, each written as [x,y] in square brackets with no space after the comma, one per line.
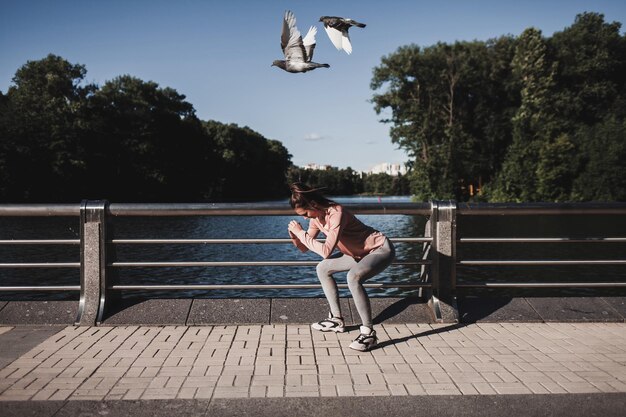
[222,227]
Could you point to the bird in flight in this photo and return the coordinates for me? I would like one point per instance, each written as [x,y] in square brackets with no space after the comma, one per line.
[298,52]
[337,30]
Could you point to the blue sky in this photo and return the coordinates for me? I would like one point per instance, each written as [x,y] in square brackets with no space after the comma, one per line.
[218,54]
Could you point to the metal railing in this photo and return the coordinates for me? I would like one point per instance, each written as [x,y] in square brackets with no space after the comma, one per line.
[95,265]
[543,209]
[438,264]
[39,210]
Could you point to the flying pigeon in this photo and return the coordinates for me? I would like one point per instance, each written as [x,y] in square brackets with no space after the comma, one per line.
[298,52]
[337,30]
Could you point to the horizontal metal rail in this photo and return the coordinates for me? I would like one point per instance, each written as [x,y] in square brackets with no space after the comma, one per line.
[41,288]
[490,209]
[254,209]
[234,263]
[239,241]
[41,265]
[39,210]
[544,285]
[280,208]
[256,286]
[543,262]
[40,242]
[542,240]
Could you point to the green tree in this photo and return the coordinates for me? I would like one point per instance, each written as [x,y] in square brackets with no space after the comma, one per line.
[557,167]
[40,133]
[533,124]
[146,144]
[514,117]
[335,181]
[250,166]
[385,184]
[603,162]
[129,140]
[591,72]
[450,110]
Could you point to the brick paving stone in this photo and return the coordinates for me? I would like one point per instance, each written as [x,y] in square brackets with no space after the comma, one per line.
[159,393]
[510,388]
[363,369]
[268,380]
[441,389]
[289,360]
[204,392]
[441,377]
[415,389]
[372,389]
[426,378]
[360,379]
[595,376]
[532,377]
[133,382]
[242,380]
[604,386]
[328,391]
[484,388]
[341,369]
[199,381]
[536,388]
[301,369]
[466,377]
[579,387]
[393,379]
[467,389]
[302,388]
[187,393]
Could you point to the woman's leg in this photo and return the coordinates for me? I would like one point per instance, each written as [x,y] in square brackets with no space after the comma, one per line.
[372,264]
[325,269]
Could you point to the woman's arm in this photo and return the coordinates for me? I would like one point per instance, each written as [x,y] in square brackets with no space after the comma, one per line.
[313,231]
[332,236]
[297,242]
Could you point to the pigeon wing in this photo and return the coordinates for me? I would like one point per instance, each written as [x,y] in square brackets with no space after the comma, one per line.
[339,38]
[345,42]
[286,32]
[309,43]
[334,35]
[291,40]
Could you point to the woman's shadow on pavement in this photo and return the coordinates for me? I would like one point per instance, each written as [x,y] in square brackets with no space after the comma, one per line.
[471,310]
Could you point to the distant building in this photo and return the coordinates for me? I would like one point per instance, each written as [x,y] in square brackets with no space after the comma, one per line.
[315,166]
[389,169]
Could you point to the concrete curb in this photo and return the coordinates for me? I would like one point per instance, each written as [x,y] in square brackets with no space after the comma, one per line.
[237,311]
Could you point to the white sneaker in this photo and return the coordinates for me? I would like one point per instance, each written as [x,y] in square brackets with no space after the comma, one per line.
[366,340]
[331,324]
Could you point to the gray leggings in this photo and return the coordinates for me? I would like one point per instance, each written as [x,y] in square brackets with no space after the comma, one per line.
[370,265]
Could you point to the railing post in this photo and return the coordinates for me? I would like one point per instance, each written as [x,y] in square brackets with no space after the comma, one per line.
[92,262]
[443,268]
[428,271]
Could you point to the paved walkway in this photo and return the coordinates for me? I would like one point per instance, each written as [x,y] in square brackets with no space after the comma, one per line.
[261,361]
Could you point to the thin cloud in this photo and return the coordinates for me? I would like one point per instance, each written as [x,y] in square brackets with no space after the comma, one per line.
[314,137]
